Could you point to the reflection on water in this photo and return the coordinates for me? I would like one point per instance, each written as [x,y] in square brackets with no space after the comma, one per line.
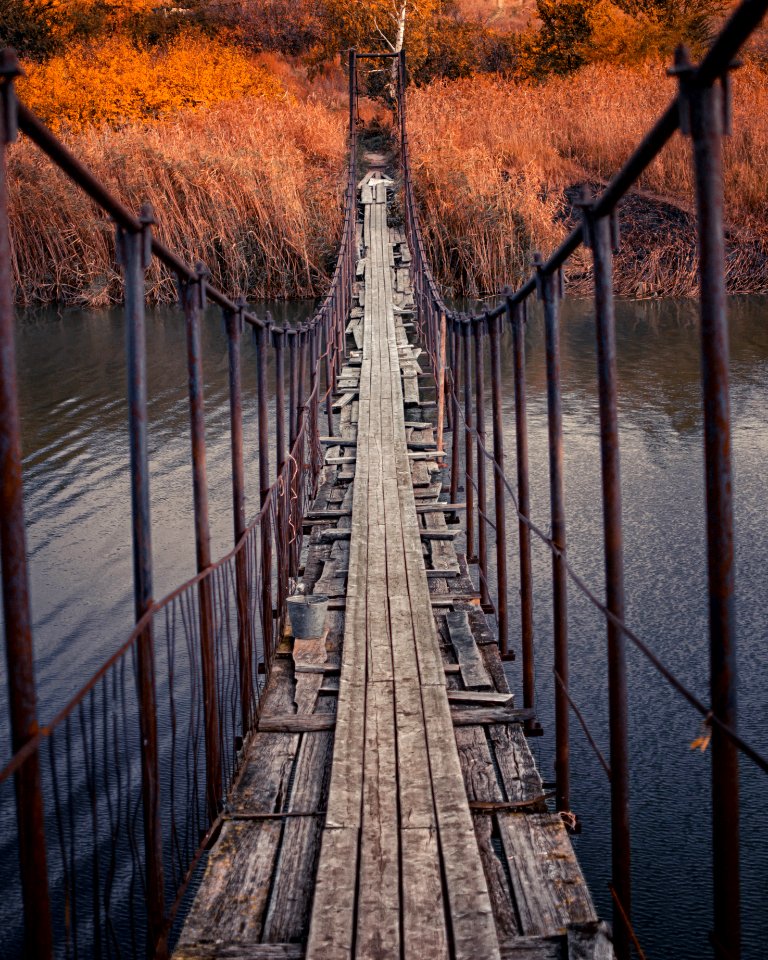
[75,443]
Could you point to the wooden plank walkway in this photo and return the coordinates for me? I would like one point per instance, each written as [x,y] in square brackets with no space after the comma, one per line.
[388,805]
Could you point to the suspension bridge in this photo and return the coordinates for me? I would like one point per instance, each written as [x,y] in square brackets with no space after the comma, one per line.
[311,748]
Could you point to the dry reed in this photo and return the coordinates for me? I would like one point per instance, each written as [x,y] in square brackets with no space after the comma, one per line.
[495,165]
[252,188]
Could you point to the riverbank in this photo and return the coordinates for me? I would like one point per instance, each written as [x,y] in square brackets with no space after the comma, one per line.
[253,189]
[498,167]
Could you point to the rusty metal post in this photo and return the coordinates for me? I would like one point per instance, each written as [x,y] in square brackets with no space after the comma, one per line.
[314,350]
[704,115]
[328,377]
[300,394]
[441,386]
[502,611]
[455,334]
[478,333]
[292,386]
[278,342]
[134,253]
[448,372]
[469,470]
[601,236]
[262,342]
[233,321]
[193,299]
[517,316]
[548,287]
[22,692]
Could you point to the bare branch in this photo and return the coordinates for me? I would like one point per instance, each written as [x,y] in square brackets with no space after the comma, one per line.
[383,36]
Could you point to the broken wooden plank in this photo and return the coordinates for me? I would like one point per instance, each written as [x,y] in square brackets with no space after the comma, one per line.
[489,698]
[473,670]
[342,401]
[485,716]
[239,951]
[294,723]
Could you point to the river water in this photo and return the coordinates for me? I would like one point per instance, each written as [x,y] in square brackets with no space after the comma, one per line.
[75,445]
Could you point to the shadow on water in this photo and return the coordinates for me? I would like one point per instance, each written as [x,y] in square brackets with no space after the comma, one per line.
[75,444]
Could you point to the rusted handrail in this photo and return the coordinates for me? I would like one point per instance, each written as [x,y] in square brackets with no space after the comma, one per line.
[226,614]
[700,110]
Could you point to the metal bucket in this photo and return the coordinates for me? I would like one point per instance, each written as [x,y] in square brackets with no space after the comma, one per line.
[307,613]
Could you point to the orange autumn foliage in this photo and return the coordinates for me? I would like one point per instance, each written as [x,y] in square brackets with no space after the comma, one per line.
[113,82]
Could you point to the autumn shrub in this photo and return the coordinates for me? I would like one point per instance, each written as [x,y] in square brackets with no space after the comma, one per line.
[571,33]
[494,160]
[252,188]
[114,82]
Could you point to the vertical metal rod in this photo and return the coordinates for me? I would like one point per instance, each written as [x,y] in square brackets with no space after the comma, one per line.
[441,386]
[314,338]
[549,292]
[134,254]
[455,441]
[469,490]
[328,378]
[234,324]
[708,110]
[448,373]
[502,610]
[341,353]
[478,333]
[22,692]
[599,235]
[278,341]
[300,393]
[517,316]
[292,386]
[193,296]
[262,341]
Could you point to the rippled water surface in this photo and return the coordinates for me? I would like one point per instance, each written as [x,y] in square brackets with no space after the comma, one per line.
[75,444]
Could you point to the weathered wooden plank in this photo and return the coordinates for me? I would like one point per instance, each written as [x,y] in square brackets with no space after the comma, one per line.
[533,948]
[294,723]
[589,941]
[549,888]
[342,401]
[489,698]
[378,911]
[480,780]
[463,717]
[474,931]
[239,951]
[481,783]
[473,670]
[331,926]
[424,932]
[287,918]
[235,887]
[522,780]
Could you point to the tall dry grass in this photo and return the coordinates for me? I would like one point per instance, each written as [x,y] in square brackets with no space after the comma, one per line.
[494,161]
[251,188]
